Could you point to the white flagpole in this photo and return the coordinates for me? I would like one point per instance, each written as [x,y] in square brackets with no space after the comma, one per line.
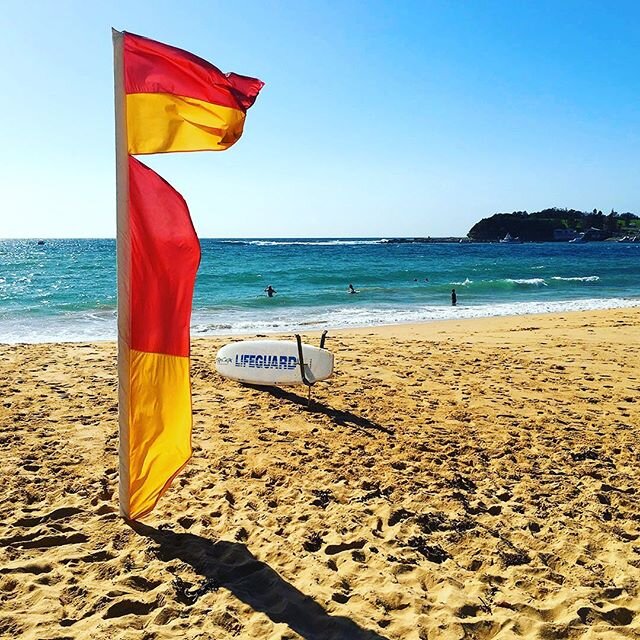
[123,251]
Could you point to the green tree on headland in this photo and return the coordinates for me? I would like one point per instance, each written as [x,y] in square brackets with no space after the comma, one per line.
[540,226]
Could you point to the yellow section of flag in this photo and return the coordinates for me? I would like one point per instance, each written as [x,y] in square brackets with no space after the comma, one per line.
[160,419]
[160,122]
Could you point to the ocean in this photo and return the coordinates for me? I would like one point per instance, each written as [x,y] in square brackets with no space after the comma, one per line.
[65,290]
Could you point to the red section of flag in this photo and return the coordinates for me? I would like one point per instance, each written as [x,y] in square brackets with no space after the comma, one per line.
[165,254]
[154,67]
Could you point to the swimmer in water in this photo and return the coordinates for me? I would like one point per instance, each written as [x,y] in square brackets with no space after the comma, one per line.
[351,289]
[270,291]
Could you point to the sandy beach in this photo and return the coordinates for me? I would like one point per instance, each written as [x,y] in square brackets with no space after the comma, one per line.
[463,479]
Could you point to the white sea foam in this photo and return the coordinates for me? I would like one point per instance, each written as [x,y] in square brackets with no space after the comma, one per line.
[534,282]
[95,326]
[578,278]
[466,283]
[352,317]
[73,327]
[302,243]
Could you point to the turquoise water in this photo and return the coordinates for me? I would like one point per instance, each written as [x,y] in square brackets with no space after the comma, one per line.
[65,289]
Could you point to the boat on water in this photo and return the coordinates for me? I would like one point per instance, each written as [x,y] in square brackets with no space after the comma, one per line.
[509,239]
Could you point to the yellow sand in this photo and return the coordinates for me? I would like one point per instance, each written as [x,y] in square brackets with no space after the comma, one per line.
[473,479]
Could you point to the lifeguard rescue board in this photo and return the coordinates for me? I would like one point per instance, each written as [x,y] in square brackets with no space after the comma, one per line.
[272,362]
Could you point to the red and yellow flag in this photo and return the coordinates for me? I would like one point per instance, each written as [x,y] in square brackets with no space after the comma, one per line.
[179,102]
[165,254]
[166,100]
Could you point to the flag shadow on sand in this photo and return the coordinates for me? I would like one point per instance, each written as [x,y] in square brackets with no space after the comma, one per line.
[232,566]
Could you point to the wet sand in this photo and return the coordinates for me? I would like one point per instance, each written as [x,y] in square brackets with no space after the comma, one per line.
[472,479]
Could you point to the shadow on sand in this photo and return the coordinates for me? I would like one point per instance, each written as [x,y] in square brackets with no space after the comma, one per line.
[344,418]
[232,566]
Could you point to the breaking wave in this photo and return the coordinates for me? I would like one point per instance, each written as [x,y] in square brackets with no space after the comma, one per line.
[527,282]
[578,278]
[302,243]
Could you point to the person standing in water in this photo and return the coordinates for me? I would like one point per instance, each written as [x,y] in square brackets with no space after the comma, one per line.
[454,298]
[270,291]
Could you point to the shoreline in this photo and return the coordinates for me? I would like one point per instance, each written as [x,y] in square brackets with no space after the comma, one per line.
[442,329]
[461,313]
[476,325]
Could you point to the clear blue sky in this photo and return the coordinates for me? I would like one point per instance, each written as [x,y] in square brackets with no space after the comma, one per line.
[377,118]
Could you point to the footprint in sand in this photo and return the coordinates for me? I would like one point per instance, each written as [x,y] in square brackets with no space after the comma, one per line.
[619,617]
[56,514]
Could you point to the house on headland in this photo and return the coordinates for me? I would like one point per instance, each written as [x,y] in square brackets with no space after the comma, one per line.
[564,235]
